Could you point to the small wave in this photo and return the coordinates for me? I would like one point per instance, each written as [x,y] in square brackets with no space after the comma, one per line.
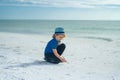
[99,38]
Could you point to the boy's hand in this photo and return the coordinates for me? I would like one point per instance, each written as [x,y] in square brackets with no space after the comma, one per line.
[63,59]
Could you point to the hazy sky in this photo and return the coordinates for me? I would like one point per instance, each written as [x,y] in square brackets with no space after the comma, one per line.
[60,9]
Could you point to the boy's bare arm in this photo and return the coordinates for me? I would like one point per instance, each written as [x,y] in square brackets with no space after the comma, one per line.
[56,53]
[58,56]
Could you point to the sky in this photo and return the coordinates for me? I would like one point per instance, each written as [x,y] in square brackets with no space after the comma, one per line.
[60,9]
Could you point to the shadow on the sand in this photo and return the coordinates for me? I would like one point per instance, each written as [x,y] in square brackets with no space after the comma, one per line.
[35,63]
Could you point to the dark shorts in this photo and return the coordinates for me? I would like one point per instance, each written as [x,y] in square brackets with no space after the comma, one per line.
[50,57]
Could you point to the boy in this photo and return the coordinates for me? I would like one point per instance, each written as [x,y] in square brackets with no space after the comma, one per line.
[54,49]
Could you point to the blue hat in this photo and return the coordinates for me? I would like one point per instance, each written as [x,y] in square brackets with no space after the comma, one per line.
[59,30]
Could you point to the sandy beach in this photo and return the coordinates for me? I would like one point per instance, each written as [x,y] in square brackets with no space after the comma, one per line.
[21,58]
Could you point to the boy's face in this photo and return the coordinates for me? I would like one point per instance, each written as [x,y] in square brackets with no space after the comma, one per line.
[60,37]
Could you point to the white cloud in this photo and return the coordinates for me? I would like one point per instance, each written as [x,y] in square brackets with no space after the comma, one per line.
[63,3]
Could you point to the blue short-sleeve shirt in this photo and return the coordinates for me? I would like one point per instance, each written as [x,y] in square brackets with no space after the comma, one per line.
[52,44]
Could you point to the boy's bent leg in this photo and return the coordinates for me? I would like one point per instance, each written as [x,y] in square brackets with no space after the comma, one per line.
[61,48]
[52,59]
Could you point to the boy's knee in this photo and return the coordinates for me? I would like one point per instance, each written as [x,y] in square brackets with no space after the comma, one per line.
[63,45]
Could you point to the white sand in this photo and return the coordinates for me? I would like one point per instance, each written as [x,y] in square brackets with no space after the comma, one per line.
[21,58]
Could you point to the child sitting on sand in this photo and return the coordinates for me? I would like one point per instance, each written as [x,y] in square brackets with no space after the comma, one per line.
[54,48]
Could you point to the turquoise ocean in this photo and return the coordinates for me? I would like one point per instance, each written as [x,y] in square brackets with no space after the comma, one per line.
[73,28]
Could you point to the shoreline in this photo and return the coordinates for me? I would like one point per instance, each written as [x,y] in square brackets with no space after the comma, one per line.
[84,36]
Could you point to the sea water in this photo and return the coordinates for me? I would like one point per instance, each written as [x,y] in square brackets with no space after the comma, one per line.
[73,28]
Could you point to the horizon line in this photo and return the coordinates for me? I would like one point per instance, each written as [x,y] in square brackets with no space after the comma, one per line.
[67,19]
